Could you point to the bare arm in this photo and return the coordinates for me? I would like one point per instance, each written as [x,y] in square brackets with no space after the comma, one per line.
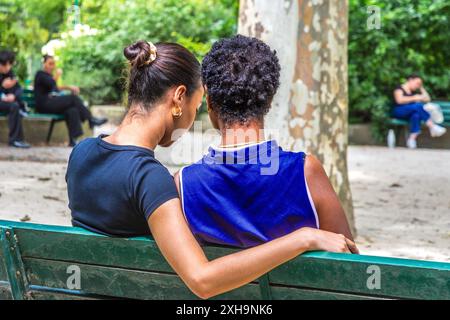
[57,75]
[209,278]
[329,209]
[400,98]
[73,89]
[8,83]
[426,96]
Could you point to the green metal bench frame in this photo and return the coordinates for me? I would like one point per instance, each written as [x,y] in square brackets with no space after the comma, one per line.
[34,262]
[28,98]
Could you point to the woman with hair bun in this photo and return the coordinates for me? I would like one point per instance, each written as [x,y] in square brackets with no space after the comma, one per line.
[117,187]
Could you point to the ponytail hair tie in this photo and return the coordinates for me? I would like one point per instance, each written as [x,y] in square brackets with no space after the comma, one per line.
[152,56]
[140,54]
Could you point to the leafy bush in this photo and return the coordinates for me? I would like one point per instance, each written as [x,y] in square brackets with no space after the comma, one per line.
[413,38]
[96,62]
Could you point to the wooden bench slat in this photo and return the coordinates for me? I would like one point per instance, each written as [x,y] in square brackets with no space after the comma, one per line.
[40,116]
[5,291]
[287,293]
[44,116]
[443,104]
[121,283]
[43,293]
[400,278]
[137,254]
[56,242]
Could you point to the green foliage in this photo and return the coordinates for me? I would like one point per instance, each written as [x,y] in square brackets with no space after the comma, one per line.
[413,38]
[96,62]
[25,26]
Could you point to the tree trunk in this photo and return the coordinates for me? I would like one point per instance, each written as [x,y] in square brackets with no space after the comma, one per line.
[310,110]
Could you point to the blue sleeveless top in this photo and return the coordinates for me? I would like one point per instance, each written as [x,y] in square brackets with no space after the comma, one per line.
[246,196]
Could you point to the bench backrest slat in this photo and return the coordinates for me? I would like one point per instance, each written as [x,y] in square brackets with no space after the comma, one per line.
[118,282]
[400,278]
[28,98]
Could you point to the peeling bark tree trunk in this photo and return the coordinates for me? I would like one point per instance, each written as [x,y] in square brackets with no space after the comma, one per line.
[310,110]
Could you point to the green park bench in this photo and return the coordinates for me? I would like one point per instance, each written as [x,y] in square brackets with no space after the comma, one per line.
[395,124]
[28,98]
[37,261]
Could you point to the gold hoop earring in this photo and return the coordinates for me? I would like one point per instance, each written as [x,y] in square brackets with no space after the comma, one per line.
[178,113]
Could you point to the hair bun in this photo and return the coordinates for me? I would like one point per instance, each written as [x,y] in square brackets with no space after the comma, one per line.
[140,53]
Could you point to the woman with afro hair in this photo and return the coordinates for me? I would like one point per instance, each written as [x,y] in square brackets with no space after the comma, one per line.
[248,190]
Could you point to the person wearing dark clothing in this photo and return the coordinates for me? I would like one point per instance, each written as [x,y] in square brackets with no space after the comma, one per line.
[49,100]
[409,99]
[10,102]
[8,80]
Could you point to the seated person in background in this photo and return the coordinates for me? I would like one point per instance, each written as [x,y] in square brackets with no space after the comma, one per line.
[10,100]
[410,98]
[248,190]
[49,100]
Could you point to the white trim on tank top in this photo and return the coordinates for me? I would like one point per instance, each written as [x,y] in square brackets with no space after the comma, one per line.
[311,202]
[218,148]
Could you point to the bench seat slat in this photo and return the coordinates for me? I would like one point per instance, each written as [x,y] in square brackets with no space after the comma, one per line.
[45,116]
[398,122]
[40,116]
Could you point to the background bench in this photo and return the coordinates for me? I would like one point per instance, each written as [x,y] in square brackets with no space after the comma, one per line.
[395,124]
[35,259]
[28,98]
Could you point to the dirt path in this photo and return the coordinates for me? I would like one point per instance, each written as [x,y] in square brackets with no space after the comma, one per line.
[401,197]
[402,201]
[35,190]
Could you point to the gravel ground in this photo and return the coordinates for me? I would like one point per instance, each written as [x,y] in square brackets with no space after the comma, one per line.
[401,197]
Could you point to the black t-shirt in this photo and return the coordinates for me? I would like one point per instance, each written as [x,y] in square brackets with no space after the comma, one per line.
[114,189]
[44,84]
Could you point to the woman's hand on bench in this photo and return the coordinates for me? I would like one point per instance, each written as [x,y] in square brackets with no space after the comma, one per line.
[321,240]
